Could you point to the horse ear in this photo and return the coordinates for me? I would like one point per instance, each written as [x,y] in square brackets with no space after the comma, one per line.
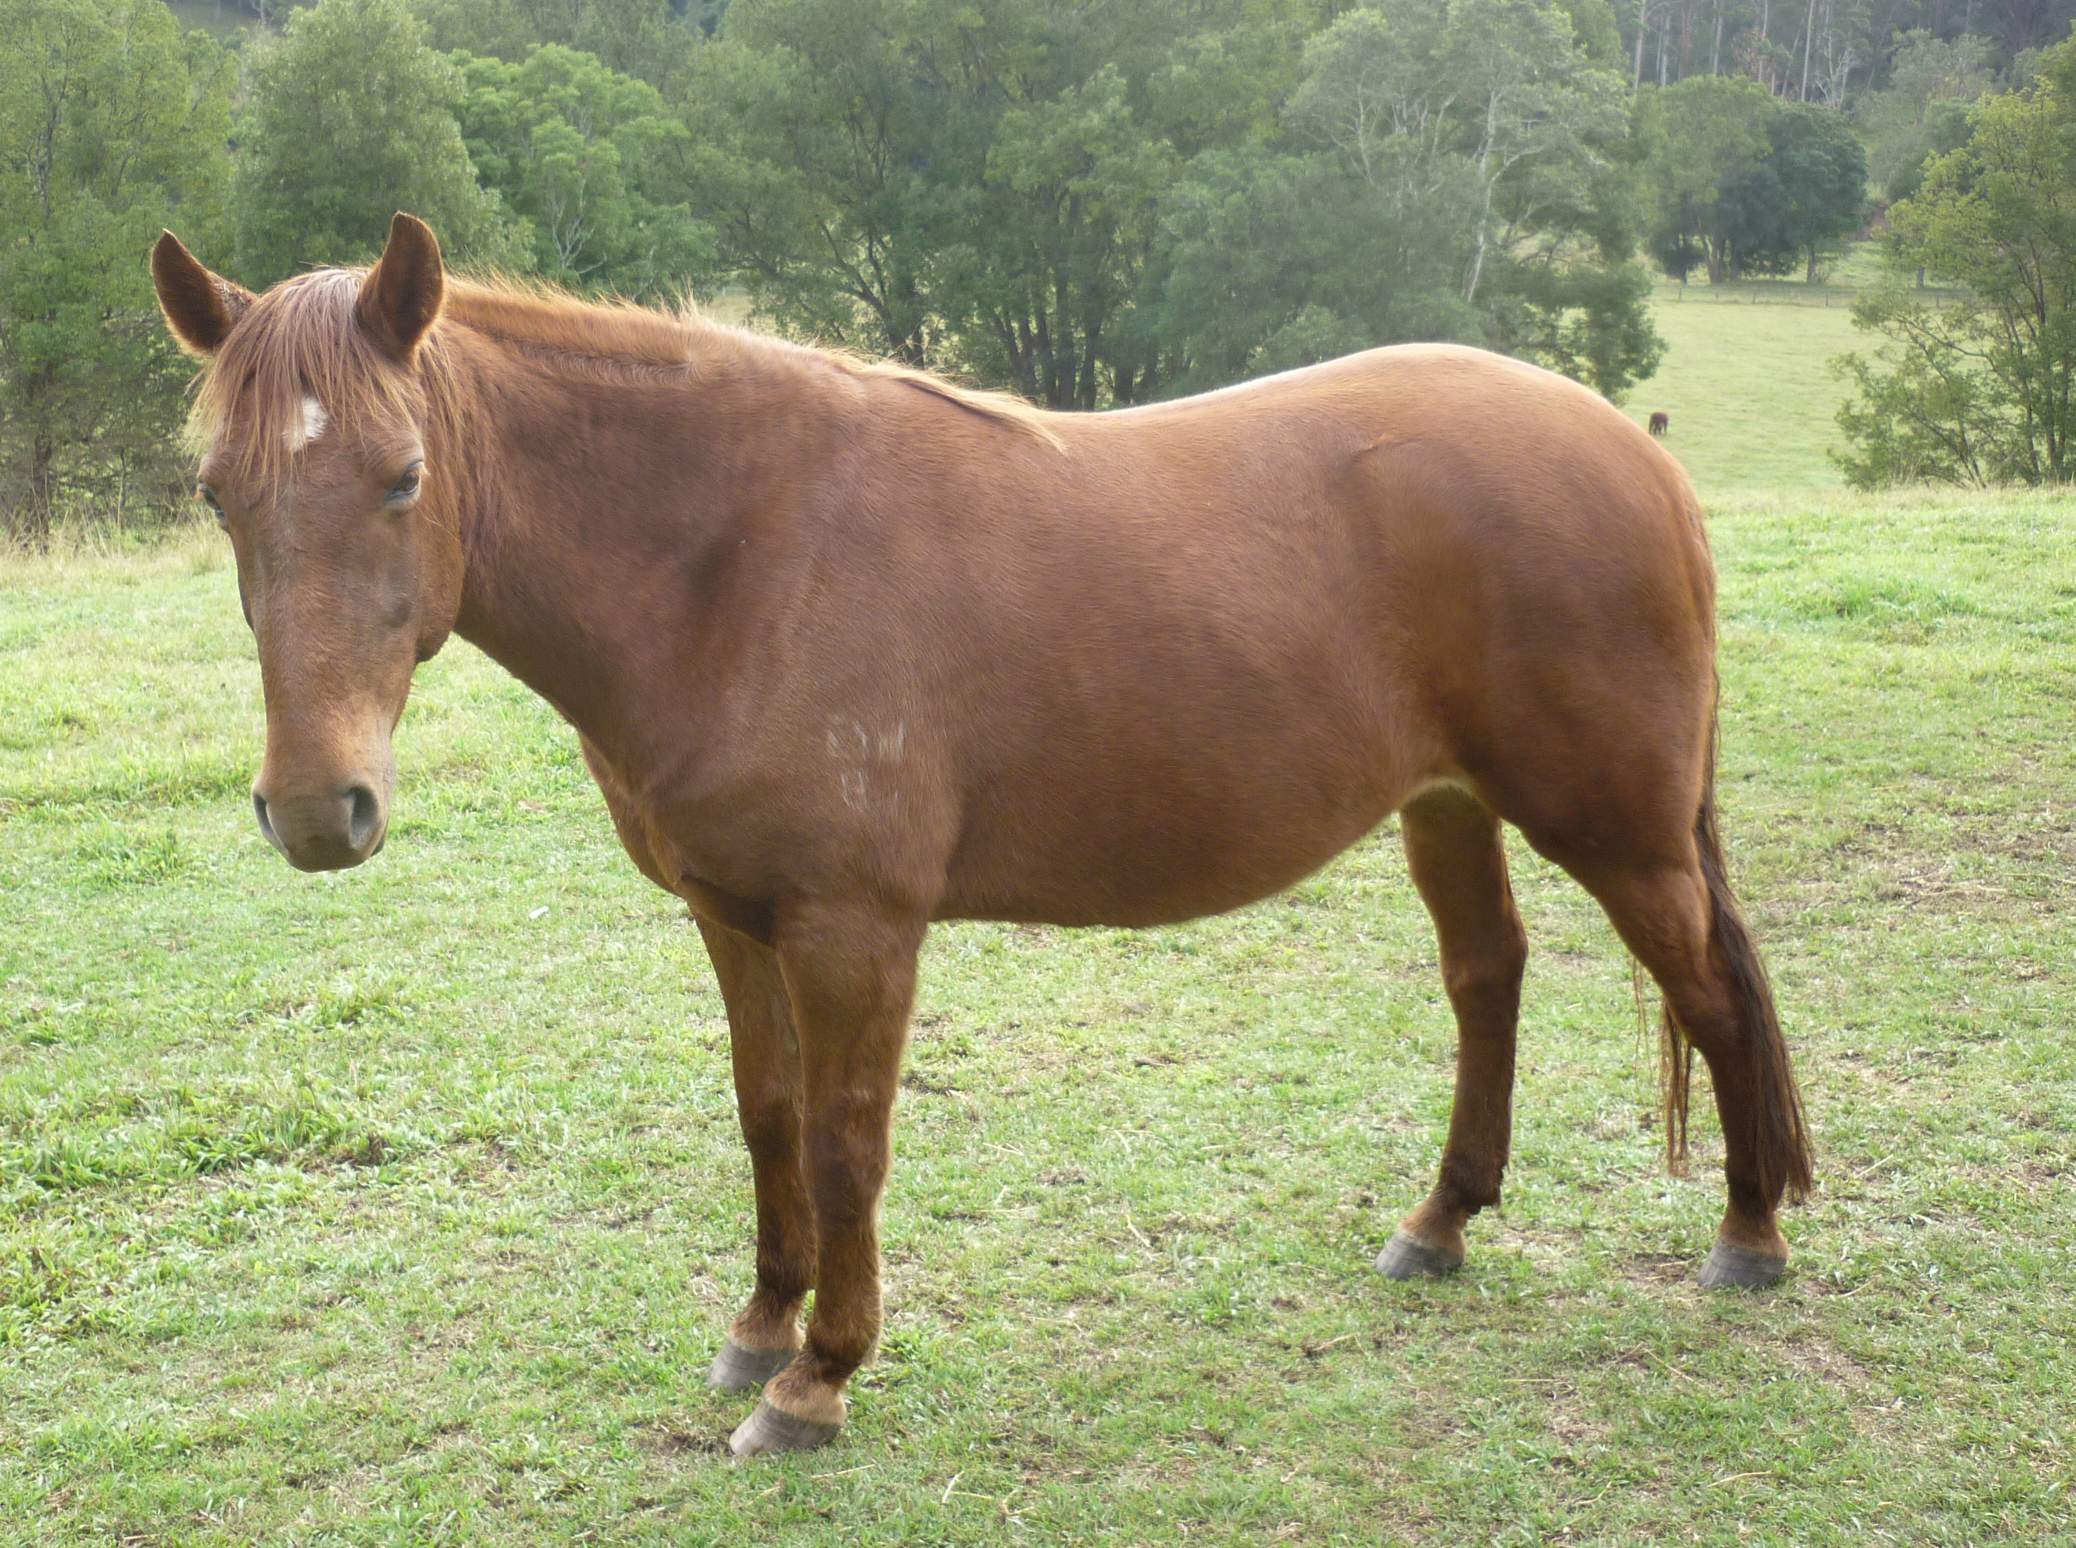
[201,308]
[400,298]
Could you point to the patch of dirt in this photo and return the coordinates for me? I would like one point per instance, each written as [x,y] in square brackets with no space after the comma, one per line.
[1569,1421]
[670,1441]
[1547,1248]
[1892,1422]
[1906,865]
[1816,1356]
[1656,1269]
[299,1318]
[1936,883]
[371,1151]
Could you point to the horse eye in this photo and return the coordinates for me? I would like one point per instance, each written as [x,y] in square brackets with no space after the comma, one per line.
[208,498]
[406,488]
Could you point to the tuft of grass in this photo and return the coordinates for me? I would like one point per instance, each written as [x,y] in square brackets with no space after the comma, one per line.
[408,1204]
[114,859]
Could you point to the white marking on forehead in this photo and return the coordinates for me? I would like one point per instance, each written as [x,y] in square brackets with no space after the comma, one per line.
[308,428]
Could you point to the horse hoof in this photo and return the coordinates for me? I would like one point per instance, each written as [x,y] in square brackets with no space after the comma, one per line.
[736,1369]
[1405,1258]
[771,1429]
[1731,1266]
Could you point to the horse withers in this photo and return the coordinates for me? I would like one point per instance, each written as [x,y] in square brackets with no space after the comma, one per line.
[851,649]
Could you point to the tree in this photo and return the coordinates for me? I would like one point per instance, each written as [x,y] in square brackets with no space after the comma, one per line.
[1703,135]
[1921,113]
[1087,124]
[1945,128]
[1483,130]
[1272,261]
[1802,198]
[651,40]
[972,185]
[2020,26]
[1540,116]
[1590,322]
[1982,390]
[1073,184]
[1048,195]
[112,126]
[593,162]
[831,172]
[352,118]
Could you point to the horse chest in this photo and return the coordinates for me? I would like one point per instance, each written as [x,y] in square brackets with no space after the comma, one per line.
[670,863]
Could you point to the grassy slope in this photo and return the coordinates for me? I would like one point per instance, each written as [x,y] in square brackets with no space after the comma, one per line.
[1747,380]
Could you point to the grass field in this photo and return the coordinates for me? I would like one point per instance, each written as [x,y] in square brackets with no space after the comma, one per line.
[1748,382]
[406,1205]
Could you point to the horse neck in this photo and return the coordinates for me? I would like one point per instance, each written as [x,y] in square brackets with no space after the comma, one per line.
[602,508]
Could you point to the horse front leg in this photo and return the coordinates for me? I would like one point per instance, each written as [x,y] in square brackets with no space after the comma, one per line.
[850,976]
[1454,851]
[764,1339]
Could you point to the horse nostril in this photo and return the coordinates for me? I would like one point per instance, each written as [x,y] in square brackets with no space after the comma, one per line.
[360,826]
[259,810]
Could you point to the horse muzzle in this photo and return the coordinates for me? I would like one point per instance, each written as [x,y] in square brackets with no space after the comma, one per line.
[326,830]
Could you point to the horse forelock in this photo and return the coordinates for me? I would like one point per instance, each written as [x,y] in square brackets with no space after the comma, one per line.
[298,364]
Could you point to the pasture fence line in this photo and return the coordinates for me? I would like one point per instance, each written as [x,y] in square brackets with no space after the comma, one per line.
[1787,295]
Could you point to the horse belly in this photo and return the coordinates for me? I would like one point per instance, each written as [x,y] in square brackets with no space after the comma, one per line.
[1154,830]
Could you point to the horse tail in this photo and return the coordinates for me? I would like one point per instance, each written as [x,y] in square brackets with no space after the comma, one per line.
[1783,1135]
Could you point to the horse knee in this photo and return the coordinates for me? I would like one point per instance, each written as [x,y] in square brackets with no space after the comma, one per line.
[770,1124]
[1493,969]
[847,1163]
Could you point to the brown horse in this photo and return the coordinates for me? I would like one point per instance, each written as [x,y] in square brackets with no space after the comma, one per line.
[1661,423]
[851,650]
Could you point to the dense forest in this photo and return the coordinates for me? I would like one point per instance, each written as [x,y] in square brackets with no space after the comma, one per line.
[1091,204]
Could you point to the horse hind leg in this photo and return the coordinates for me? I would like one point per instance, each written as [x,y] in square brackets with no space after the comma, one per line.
[1454,851]
[1675,911]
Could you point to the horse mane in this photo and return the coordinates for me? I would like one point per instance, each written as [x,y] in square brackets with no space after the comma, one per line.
[1004,408]
[299,340]
[615,332]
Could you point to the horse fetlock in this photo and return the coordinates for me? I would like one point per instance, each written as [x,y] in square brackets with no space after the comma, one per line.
[1467,1185]
[771,1320]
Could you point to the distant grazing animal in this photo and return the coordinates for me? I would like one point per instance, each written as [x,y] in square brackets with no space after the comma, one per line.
[1660,422]
[851,649]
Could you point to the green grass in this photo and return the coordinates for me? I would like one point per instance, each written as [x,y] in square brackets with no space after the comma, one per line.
[1747,377]
[406,1205]
[1748,382]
